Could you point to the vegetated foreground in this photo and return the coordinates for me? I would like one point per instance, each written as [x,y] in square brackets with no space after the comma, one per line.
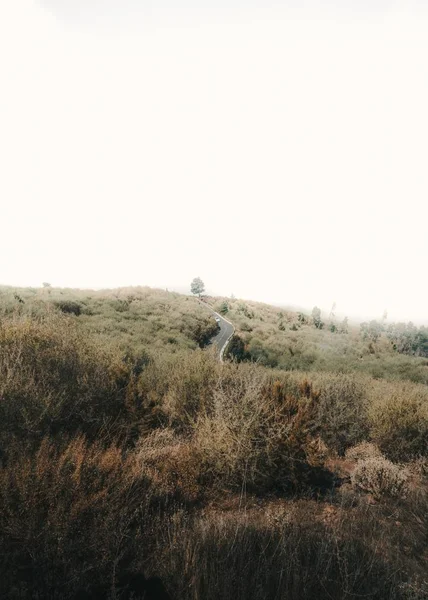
[127,448]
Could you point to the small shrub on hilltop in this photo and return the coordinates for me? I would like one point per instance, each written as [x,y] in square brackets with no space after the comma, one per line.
[380,477]
[224,308]
[316,318]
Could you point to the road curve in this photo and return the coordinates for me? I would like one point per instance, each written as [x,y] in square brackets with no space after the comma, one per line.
[226,331]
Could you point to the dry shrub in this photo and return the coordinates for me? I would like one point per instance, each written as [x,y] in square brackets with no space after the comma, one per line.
[415,589]
[258,435]
[419,467]
[68,518]
[342,411]
[380,477]
[295,557]
[399,419]
[171,464]
[363,451]
[180,388]
[229,436]
[53,379]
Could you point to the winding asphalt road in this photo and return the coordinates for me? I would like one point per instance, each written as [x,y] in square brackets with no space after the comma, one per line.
[225,333]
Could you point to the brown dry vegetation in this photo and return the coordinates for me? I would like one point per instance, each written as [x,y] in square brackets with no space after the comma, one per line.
[123,453]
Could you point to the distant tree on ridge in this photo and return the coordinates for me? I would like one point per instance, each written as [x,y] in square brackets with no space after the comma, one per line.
[197,286]
[316,318]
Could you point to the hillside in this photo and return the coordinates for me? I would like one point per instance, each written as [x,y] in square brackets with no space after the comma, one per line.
[132,319]
[296,470]
[282,339]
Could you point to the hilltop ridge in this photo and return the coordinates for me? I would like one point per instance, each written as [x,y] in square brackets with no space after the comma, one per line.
[140,318]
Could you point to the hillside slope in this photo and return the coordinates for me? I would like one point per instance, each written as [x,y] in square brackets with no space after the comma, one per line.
[133,318]
[125,453]
[288,340]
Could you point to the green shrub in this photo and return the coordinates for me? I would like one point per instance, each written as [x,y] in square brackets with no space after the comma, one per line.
[203,331]
[120,305]
[236,349]
[69,307]
[224,308]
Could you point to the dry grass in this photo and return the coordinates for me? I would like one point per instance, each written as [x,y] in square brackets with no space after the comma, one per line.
[287,553]
[54,379]
[399,419]
[342,411]
[68,518]
[172,464]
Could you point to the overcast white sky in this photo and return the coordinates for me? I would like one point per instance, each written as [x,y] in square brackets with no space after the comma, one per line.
[278,150]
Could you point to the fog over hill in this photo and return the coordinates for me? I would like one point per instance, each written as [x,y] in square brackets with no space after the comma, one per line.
[276,149]
[94,11]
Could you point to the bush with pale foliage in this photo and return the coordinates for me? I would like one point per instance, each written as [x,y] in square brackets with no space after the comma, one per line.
[380,477]
[363,451]
[398,417]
